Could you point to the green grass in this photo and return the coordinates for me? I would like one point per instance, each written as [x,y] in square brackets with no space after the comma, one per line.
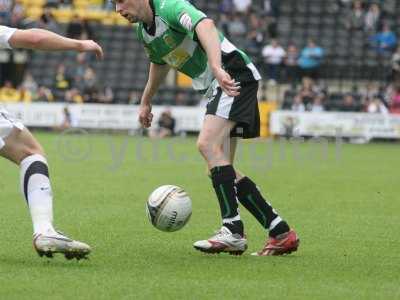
[343,201]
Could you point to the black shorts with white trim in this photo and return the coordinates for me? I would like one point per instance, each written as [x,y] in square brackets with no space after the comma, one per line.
[242,109]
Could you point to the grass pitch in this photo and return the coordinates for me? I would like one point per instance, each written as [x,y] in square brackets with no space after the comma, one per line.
[342,199]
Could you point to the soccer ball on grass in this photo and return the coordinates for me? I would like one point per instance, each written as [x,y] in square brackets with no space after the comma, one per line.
[169,208]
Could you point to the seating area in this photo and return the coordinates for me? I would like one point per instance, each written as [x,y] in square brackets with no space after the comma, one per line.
[92,10]
[348,53]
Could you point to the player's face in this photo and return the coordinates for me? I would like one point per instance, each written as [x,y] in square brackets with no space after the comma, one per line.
[129,9]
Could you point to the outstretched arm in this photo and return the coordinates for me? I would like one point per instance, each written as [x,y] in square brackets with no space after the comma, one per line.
[157,75]
[41,39]
[208,36]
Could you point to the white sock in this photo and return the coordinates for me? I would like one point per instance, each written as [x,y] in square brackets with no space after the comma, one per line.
[36,188]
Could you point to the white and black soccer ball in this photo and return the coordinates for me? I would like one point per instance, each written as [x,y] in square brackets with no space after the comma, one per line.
[169,208]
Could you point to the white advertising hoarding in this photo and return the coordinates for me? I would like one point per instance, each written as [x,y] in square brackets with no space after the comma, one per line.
[331,124]
[100,116]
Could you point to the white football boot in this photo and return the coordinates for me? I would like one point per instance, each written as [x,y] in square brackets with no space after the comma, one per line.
[223,241]
[49,244]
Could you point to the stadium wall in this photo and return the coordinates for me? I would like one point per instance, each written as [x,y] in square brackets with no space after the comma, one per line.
[190,119]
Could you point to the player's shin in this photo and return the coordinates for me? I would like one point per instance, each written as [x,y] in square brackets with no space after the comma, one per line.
[36,188]
[251,198]
[223,179]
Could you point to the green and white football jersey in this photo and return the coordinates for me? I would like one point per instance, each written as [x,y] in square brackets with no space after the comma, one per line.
[172,40]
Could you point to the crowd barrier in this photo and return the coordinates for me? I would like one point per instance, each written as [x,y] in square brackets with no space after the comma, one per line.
[189,119]
[335,124]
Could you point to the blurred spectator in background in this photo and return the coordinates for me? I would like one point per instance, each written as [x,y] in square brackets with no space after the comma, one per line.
[24,95]
[271,8]
[90,86]
[273,55]
[290,124]
[87,33]
[44,95]
[271,24]
[242,6]
[308,90]
[317,104]
[226,7]
[349,104]
[298,104]
[29,83]
[17,15]
[74,96]
[5,11]
[134,97]
[52,3]
[223,23]
[62,82]
[92,95]
[355,18]
[375,105]
[255,33]
[368,93]
[291,65]
[237,29]
[310,60]
[344,3]
[107,96]
[67,119]
[8,93]
[373,17]
[393,97]
[67,3]
[166,126]
[47,21]
[79,69]
[109,5]
[75,27]
[181,99]
[79,28]
[395,65]
[384,41]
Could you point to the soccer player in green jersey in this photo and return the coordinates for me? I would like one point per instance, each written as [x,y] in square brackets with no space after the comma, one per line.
[176,34]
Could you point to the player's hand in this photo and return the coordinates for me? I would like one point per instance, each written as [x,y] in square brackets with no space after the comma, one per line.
[91,46]
[145,115]
[227,84]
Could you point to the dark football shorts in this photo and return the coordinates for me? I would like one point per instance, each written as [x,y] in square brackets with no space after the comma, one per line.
[242,109]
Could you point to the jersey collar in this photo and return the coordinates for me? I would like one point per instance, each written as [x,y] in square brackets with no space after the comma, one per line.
[152,29]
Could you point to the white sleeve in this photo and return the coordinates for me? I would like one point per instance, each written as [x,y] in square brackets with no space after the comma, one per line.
[5,35]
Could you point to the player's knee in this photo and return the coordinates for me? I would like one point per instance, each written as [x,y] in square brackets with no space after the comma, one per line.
[29,150]
[209,151]
[204,147]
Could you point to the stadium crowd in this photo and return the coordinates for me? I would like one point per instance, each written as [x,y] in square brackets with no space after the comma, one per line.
[250,24]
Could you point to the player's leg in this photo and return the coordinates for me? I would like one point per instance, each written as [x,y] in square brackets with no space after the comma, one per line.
[19,146]
[214,134]
[233,141]
[281,240]
[250,197]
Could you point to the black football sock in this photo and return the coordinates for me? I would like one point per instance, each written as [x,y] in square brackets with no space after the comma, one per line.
[223,179]
[250,197]
[235,226]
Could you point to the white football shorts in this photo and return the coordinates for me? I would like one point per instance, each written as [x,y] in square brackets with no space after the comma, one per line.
[7,123]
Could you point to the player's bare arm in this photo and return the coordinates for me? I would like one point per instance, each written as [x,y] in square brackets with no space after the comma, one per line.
[40,39]
[157,75]
[208,36]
